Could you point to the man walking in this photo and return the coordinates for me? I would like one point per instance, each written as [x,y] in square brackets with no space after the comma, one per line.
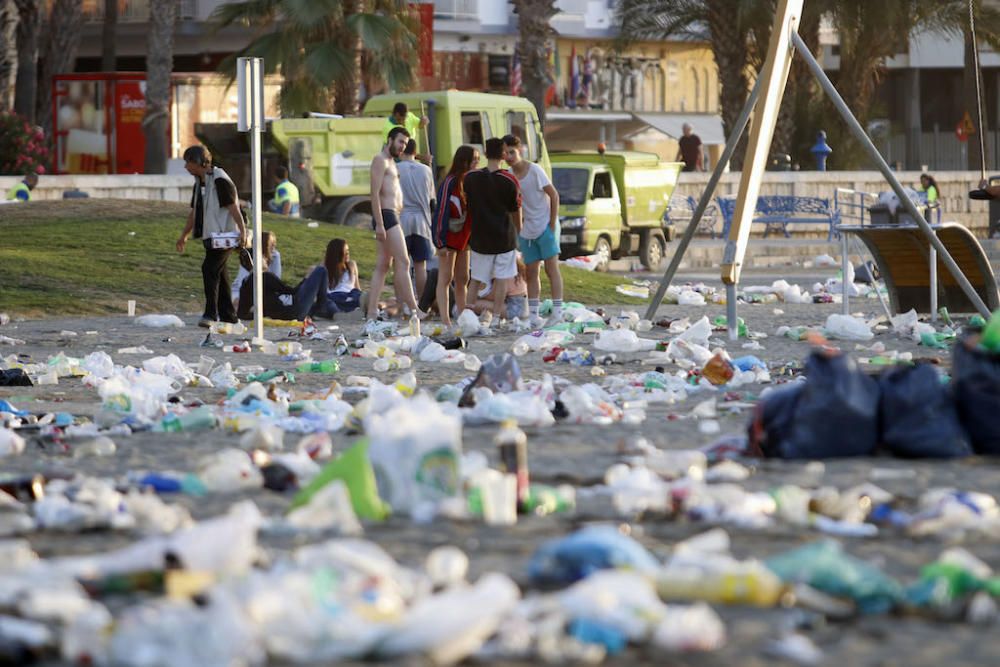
[214,211]
[539,237]
[689,149]
[494,205]
[417,184]
[387,200]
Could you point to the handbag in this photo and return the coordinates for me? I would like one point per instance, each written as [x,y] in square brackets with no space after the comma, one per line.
[224,240]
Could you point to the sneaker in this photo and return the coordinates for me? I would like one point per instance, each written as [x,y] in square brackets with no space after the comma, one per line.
[422,315]
[557,315]
[536,322]
[205,323]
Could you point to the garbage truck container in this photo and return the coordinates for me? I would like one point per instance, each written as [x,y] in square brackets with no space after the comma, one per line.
[994,210]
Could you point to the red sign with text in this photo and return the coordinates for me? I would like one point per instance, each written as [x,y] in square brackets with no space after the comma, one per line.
[130,142]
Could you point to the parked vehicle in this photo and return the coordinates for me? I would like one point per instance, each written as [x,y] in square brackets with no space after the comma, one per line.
[328,157]
[612,203]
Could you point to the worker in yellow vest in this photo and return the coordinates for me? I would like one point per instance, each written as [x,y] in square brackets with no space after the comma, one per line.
[22,191]
[286,195]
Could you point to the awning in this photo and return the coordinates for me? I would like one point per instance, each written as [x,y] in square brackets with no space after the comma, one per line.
[707,126]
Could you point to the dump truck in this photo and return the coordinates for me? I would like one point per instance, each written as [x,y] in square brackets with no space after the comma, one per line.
[328,157]
[612,204]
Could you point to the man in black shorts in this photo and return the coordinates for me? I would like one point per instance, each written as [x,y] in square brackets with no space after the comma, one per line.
[387,202]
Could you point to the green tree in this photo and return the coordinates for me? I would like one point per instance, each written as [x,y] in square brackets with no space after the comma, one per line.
[534,30]
[159,66]
[730,27]
[318,47]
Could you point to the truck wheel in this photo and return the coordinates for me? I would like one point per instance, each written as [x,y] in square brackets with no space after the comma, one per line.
[352,212]
[651,253]
[603,251]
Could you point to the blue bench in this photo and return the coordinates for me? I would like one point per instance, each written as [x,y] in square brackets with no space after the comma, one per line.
[681,210]
[783,210]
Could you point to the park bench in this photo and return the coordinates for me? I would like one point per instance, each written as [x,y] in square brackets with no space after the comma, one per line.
[914,276]
[783,210]
[681,209]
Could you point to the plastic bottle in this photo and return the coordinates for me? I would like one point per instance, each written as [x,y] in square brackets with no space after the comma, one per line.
[406,384]
[384,364]
[512,446]
[99,446]
[718,370]
[239,348]
[744,583]
[328,366]
[171,483]
[287,347]
[228,328]
[198,419]
[340,346]
[414,326]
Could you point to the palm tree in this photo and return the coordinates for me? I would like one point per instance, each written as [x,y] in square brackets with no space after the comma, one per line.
[27,58]
[8,52]
[534,28]
[318,46]
[63,38]
[159,66]
[730,27]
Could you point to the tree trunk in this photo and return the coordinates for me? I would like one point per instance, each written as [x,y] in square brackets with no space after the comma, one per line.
[60,55]
[109,60]
[534,30]
[729,49]
[27,58]
[971,103]
[8,53]
[347,93]
[159,65]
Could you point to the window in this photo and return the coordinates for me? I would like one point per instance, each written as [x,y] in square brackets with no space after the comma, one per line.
[602,185]
[522,126]
[571,184]
[473,129]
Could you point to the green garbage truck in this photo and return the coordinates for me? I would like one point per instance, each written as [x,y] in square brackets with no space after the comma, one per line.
[612,204]
[329,157]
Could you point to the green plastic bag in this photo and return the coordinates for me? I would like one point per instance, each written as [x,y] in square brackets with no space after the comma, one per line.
[355,470]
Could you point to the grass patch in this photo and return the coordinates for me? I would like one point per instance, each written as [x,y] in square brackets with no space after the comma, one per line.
[89,256]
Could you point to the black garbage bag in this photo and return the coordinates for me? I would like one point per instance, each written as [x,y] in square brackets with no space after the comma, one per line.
[14,377]
[975,382]
[918,416]
[834,413]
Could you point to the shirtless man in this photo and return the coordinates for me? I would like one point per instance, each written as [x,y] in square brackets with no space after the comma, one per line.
[387,202]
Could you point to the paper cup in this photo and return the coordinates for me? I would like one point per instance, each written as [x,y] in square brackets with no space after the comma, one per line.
[499,494]
[131,308]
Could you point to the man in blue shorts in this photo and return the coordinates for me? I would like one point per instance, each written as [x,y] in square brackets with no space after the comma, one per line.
[539,236]
[417,184]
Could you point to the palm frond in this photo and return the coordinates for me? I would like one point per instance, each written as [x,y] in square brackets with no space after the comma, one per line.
[247,13]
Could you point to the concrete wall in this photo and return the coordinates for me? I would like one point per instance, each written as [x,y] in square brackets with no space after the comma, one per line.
[164,188]
[954,188]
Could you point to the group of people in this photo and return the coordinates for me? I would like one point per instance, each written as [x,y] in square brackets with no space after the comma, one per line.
[483,224]
[486,232]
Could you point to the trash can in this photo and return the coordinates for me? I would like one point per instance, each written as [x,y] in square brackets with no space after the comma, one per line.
[994,210]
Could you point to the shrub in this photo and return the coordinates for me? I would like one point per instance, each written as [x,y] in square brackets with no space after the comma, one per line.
[22,147]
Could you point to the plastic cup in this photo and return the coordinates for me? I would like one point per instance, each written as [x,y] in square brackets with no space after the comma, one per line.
[205,365]
[499,494]
[131,307]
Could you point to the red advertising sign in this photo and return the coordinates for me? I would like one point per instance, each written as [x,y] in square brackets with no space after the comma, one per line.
[425,38]
[130,142]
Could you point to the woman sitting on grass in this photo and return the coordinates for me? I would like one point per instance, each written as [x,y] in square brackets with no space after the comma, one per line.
[343,293]
[269,243]
[281,301]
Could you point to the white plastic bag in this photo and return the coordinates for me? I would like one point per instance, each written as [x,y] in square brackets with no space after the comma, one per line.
[159,321]
[846,327]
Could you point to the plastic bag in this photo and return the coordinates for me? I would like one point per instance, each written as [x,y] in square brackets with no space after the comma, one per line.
[567,559]
[846,327]
[415,448]
[834,413]
[622,340]
[918,416]
[355,470]
[14,377]
[160,321]
[976,386]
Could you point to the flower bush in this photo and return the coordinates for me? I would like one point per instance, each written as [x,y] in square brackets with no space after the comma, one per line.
[22,147]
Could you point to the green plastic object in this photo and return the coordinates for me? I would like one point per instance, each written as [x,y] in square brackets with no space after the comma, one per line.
[991,334]
[327,366]
[721,322]
[936,340]
[826,567]
[355,470]
[977,322]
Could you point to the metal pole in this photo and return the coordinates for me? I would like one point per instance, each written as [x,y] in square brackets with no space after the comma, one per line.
[866,142]
[706,198]
[250,90]
[845,261]
[858,248]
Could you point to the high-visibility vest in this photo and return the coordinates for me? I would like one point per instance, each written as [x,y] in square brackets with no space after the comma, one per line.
[20,192]
[287,191]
